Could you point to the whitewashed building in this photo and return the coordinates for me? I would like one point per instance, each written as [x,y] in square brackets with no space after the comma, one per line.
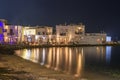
[37,34]
[66,34]
[12,33]
[44,34]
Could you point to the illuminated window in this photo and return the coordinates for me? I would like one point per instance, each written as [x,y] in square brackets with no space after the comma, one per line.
[16,27]
[108,38]
[29,39]
[29,32]
[79,30]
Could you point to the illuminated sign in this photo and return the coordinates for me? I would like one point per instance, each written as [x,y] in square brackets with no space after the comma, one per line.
[108,39]
[1,31]
[1,24]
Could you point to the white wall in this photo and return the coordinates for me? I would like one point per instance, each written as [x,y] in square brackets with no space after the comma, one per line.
[87,39]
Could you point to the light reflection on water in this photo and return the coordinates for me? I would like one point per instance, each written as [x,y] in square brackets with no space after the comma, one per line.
[108,54]
[70,60]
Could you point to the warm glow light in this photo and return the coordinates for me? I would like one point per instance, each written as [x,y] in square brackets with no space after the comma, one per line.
[98,40]
[30,32]
[70,60]
[57,58]
[43,57]
[79,28]
[6,39]
[54,56]
[58,38]
[36,37]
[16,27]
[66,58]
[50,36]
[79,65]
[6,27]
[102,39]
[34,55]
[70,37]
[98,49]
[49,56]
[57,61]
[26,54]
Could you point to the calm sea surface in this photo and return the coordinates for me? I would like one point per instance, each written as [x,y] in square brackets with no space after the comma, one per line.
[73,60]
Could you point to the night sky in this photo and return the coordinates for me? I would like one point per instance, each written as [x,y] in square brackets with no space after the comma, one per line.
[97,15]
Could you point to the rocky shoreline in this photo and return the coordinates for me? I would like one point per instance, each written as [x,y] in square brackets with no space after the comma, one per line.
[19,46]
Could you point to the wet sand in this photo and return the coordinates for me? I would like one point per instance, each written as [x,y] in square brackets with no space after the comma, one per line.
[13,67]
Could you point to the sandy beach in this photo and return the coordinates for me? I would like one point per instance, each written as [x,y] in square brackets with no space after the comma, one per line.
[13,67]
[16,68]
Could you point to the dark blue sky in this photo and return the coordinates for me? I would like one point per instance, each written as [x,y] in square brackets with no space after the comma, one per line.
[97,15]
